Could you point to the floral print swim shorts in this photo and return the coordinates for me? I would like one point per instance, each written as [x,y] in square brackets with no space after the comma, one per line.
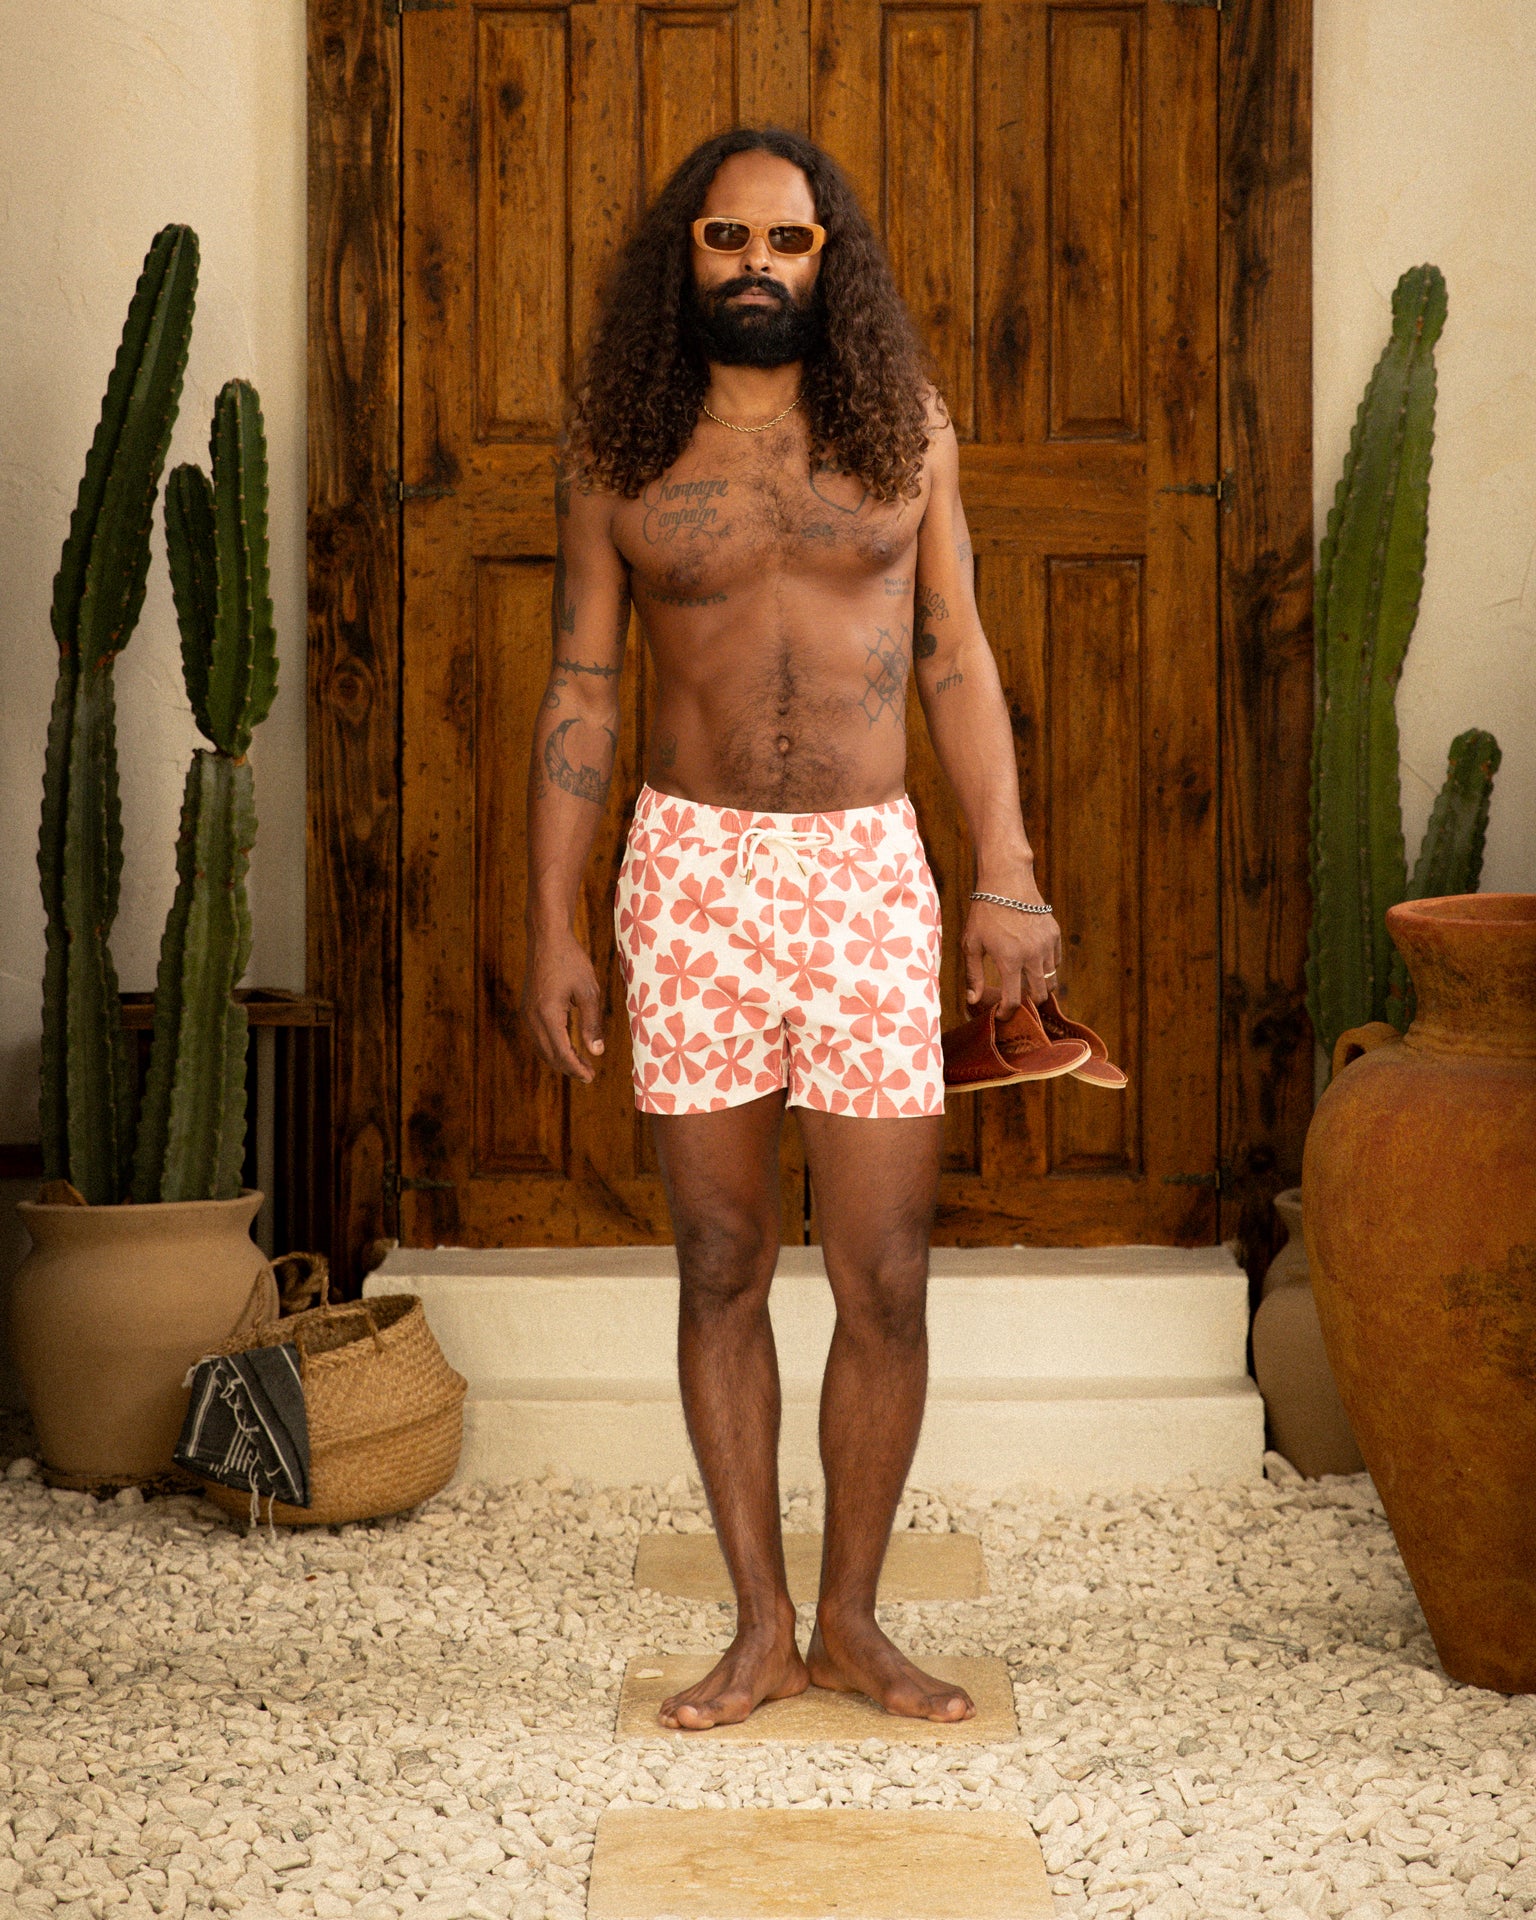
[765,950]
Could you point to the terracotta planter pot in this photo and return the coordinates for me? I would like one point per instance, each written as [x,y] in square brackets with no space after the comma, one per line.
[108,1311]
[1307,1421]
[1419,1185]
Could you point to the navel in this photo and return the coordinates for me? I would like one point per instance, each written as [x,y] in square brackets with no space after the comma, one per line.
[782,743]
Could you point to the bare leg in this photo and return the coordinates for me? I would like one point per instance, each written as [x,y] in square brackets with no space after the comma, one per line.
[876,1183]
[721,1172]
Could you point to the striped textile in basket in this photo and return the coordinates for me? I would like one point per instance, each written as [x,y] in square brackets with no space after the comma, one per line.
[247,1425]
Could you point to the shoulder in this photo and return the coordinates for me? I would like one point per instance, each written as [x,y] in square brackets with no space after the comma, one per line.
[941,462]
[582,503]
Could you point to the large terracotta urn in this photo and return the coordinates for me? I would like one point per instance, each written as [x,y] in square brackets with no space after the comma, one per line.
[1419,1208]
[108,1311]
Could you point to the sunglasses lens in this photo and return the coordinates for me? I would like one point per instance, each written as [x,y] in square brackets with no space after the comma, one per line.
[726,236]
[791,239]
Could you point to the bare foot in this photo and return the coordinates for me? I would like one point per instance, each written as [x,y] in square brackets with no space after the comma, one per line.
[856,1657]
[758,1665]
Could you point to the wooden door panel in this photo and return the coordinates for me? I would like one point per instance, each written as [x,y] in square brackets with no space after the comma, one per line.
[533,134]
[1061,271]
[1093,190]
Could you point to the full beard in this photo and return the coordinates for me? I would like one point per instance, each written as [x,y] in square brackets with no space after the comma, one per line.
[754,336]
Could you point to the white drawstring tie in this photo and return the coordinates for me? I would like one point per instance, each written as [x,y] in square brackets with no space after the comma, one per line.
[796,842]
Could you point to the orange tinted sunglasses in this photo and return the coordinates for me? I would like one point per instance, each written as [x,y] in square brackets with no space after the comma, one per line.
[723,233]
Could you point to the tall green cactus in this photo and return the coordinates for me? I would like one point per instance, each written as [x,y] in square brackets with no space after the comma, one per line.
[98,592]
[192,1128]
[1369,576]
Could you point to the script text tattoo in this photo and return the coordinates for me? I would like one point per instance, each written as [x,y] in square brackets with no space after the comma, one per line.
[674,507]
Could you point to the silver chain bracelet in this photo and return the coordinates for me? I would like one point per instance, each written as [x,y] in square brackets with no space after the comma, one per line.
[1002,900]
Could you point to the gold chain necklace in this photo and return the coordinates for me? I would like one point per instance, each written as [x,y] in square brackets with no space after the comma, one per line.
[762,429]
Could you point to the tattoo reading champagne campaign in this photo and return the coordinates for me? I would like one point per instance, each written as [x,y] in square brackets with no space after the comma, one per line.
[681,506]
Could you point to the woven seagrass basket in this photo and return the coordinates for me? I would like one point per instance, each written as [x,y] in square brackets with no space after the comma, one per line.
[385,1409]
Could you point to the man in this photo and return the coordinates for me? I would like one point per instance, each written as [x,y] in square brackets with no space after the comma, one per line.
[757,459]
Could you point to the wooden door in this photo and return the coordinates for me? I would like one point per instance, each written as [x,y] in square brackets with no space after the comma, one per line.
[1045,179]
[532,134]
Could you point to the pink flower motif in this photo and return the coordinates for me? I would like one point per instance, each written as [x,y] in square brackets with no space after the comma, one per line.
[700,905]
[807,970]
[651,862]
[730,1063]
[921,1034]
[682,974]
[813,904]
[739,1004]
[850,866]
[636,920]
[878,943]
[872,1087]
[657,1098]
[877,1015]
[644,1007]
[899,881]
[677,820]
[830,1048]
[672,1049]
[753,942]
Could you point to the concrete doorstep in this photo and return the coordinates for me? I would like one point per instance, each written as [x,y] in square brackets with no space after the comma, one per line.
[1081,1369]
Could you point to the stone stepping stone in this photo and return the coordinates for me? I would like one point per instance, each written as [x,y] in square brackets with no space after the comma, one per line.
[774,1863]
[918,1566]
[817,1715]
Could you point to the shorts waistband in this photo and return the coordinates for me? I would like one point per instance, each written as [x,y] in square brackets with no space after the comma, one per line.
[727,822]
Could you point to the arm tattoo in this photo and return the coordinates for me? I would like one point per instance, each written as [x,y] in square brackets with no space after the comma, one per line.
[586,783]
[930,608]
[885,670]
[949,680]
[575,666]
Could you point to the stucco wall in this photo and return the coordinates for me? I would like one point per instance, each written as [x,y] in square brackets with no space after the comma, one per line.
[1424,149]
[113,121]
[116,120]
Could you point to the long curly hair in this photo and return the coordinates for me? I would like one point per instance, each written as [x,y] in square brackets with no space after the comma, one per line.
[644,377]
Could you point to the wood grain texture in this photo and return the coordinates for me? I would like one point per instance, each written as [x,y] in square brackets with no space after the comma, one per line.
[1266,605]
[353,655]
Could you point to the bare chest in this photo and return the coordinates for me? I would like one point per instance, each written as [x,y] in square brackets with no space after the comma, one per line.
[709,527]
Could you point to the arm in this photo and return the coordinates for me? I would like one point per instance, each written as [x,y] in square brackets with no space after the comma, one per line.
[574,737]
[967,717]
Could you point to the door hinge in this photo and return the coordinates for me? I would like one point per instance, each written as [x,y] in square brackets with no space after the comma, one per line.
[394,1186]
[1219,490]
[1193,1180]
[426,490]
[394,8]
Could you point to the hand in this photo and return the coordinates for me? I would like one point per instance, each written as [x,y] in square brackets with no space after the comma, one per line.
[1025,948]
[559,977]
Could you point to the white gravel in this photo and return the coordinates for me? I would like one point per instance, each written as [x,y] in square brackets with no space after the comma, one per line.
[1229,1698]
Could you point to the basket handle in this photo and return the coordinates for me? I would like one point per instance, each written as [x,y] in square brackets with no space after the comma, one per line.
[309,1269]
